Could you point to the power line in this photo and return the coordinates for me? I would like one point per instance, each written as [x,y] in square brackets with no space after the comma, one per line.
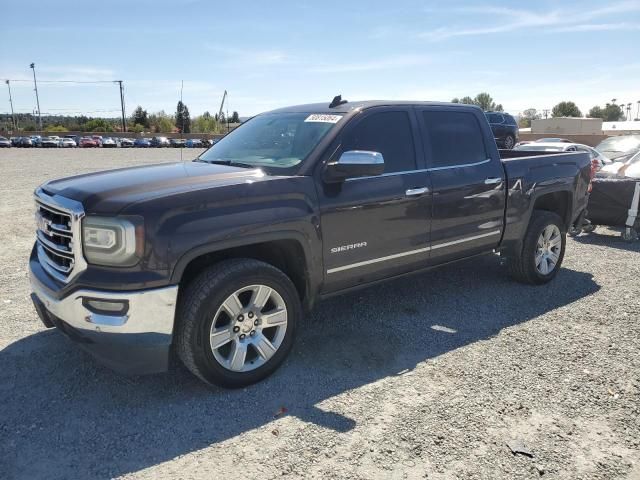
[61,81]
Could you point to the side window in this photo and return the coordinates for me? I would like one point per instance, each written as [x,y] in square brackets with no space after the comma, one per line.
[495,118]
[388,133]
[455,138]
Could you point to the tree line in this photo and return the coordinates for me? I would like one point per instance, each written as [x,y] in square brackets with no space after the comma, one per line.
[609,113]
[139,121]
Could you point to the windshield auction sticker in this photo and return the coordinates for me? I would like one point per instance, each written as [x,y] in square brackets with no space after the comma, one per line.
[319,117]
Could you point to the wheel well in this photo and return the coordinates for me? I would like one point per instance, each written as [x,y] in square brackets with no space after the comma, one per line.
[556,202]
[286,255]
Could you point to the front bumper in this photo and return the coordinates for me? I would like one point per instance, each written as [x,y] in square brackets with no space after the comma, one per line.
[134,341]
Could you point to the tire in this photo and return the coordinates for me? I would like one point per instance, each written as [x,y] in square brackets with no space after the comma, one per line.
[524,267]
[205,309]
[509,142]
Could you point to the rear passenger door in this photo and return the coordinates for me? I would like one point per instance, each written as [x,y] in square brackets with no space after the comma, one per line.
[376,227]
[468,183]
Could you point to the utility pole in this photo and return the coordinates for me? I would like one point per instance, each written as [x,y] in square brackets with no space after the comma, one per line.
[124,121]
[33,67]
[629,110]
[546,112]
[638,111]
[13,116]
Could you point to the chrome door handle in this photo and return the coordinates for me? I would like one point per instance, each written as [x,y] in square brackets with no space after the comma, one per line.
[492,181]
[413,192]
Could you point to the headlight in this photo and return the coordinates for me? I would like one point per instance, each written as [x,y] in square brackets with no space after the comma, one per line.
[112,241]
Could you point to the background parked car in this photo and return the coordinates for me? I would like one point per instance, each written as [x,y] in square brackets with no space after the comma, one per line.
[504,127]
[627,168]
[49,142]
[67,142]
[126,142]
[36,140]
[14,141]
[108,142]
[159,142]
[26,142]
[177,142]
[565,147]
[97,139]
[620,148]
[142,143]
[193,143]
[5,142]
[87,142]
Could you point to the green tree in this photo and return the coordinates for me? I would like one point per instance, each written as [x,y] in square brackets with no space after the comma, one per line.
[527,116]
[205,123]
[183,120]
[486,103]
[161,122]
[482,100]
[566,109]
[235,118]
[55,128]
[97,125]
[140,117]
[610,113]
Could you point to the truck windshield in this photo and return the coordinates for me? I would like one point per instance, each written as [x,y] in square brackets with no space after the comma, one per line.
[272,140]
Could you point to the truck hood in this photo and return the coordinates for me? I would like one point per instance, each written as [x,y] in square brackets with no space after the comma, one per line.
[111,191]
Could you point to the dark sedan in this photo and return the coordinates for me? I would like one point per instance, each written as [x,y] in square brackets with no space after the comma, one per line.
[142,143]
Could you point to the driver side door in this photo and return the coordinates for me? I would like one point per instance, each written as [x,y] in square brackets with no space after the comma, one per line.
[379,226]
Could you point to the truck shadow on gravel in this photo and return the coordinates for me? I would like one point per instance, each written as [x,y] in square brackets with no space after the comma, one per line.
[63,416]
[608,240]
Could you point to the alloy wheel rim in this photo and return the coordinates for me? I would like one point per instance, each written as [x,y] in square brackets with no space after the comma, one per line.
[548,249]
[248,328]
[508,142]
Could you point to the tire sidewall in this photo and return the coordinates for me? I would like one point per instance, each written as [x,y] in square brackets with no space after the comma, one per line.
[218,293]
[541,223]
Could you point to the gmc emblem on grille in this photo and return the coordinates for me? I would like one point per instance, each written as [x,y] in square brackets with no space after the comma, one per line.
[43,223]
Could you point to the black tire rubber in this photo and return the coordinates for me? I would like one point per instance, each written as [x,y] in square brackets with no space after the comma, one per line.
[522,267]
[202,298]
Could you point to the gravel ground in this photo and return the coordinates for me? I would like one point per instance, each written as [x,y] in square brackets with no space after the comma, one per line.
[426,377]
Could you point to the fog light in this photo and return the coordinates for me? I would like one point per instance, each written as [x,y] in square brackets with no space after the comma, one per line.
[106,307]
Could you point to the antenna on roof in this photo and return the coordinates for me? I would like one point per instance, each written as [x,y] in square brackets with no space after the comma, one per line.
[337,101]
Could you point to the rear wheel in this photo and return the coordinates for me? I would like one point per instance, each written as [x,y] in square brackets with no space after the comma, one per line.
[542,251]
[236,322]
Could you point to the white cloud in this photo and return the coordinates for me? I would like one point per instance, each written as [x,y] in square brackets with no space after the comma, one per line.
[520,19]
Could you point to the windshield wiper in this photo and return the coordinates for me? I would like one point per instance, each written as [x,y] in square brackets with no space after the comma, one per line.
[230,163]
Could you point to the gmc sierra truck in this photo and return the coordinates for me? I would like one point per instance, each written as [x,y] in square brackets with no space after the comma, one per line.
[215,260]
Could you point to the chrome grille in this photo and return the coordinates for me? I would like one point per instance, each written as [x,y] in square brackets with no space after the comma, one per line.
[58,242]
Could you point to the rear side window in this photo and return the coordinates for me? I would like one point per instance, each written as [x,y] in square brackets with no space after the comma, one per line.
[388,133]
[510,120]
[494,118]
[455,138]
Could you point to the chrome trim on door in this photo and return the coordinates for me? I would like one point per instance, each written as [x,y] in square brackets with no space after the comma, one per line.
[449,167]
[467,239]
[376,260]
[412,252]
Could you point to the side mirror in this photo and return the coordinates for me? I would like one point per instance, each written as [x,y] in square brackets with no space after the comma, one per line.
[354,163]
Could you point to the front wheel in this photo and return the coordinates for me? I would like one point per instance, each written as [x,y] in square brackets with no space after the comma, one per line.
[542,250]
[236,322]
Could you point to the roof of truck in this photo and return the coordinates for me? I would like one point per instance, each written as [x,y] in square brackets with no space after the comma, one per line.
[361,104]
